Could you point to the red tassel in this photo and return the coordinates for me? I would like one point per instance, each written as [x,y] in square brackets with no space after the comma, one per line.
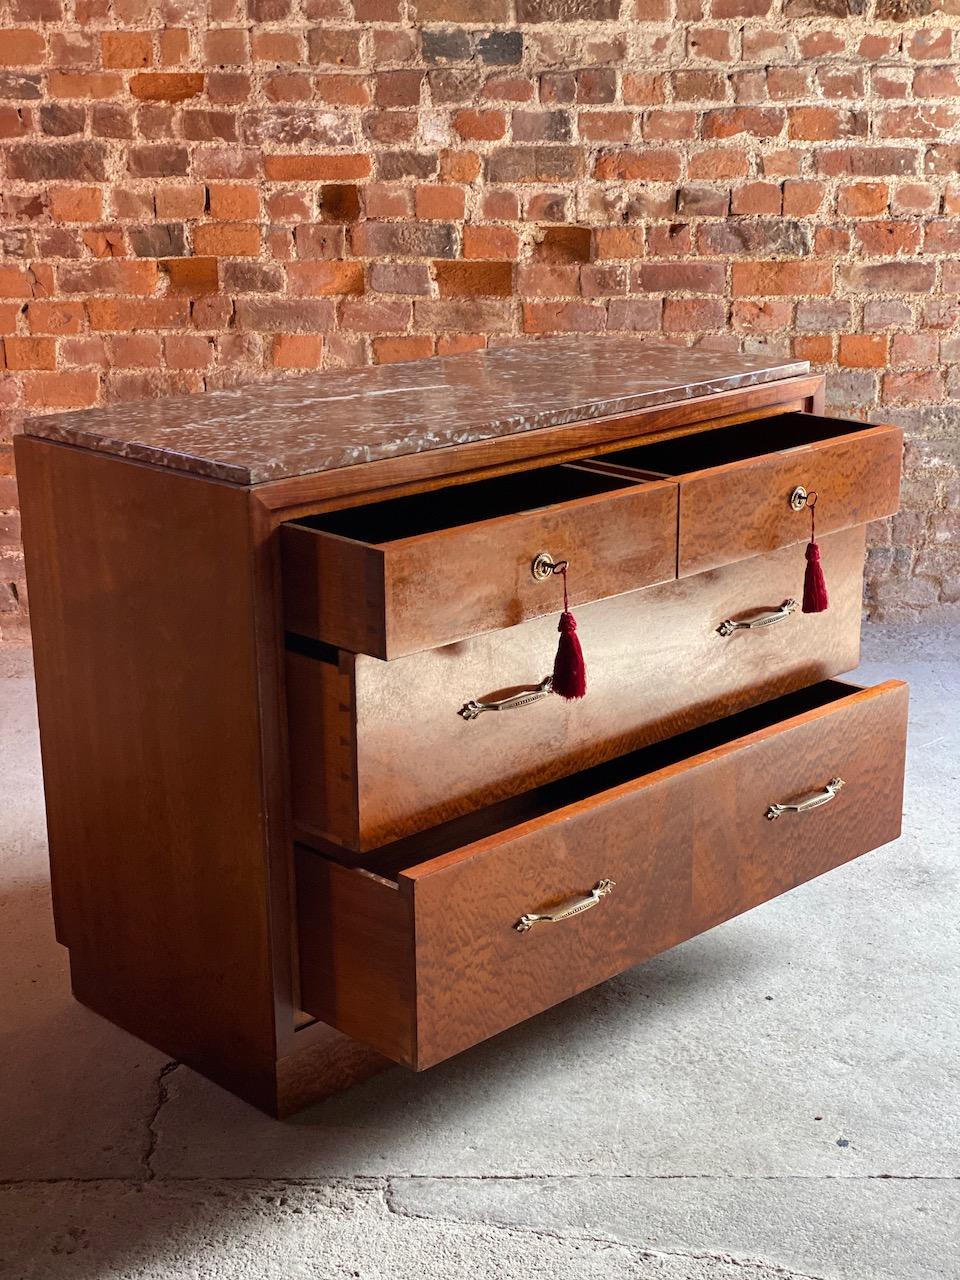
[815,598]
[569,671]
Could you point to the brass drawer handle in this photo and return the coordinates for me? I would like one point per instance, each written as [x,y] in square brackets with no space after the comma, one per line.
[572,908]
[806,803]
[470,710]
[757,620]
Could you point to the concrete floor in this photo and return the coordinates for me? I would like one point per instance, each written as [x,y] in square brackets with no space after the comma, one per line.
[777,1099]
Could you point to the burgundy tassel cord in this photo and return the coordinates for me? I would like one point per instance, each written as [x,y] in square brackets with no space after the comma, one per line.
[569,672]
[815,598]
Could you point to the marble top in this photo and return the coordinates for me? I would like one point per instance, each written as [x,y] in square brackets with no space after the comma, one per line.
[322,421]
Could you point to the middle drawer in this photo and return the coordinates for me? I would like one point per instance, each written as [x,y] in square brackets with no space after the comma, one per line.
[380,750]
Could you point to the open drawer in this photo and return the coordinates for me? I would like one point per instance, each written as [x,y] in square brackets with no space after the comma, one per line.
[412,573]
[437,942]
[737,483]
[379,750]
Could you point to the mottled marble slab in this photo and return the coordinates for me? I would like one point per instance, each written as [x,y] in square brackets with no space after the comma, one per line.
[322,421]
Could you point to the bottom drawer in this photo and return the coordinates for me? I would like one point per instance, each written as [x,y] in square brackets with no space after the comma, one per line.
[438,941]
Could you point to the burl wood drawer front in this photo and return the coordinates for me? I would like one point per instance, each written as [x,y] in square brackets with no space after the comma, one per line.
[423,958]
[413,573]
[380,749]
[736,482]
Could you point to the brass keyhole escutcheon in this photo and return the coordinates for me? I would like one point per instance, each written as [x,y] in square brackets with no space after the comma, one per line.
[544,566]
[798,499]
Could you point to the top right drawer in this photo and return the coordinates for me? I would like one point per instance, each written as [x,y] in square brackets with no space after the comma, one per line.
[737,482]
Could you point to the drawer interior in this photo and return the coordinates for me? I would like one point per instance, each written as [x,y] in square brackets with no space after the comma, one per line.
[723,445]
[457,505]
[390,860]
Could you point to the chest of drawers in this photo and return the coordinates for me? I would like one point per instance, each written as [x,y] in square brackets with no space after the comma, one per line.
[313,806]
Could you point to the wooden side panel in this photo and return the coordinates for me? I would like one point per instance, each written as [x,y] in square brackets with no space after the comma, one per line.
[356,955]
[333,589]
[419,763]
[729,513]
[142,600]
[862,741]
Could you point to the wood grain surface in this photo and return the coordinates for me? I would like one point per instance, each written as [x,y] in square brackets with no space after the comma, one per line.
[378,749]
[148,693]
[375,591]
[687,845]
[736,483]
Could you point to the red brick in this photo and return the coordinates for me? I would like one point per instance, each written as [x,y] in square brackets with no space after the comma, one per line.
[63,390]
[817,348]
[187,351]
[483,126]
[757,197]
[563,317]
[861,199]
[888,238]
[309,168]
[75,204]
[321,278]
[180,202]
[83,84]
[192,275]
[780,279]
[166,86]
[693,315]
[490,242]
[651,165]
[234,202]
[446,203]
[55,317]
[126,48]
[227,240]
[297,350]
[393,350]
[802,198]
[30,353]
[913,387]
[474,279]
[862,351]
[21,48]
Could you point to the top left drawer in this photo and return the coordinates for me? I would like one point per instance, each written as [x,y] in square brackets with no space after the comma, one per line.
[414,573]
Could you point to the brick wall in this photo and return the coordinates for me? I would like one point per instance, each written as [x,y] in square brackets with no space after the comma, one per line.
[197,194]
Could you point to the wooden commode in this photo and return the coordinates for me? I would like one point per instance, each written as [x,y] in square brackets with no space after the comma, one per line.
[314,807]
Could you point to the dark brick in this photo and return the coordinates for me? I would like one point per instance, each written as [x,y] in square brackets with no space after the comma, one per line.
[541,126]
[316,241]
[59,120]
[110,121]
[501,48]
[243,276]
[754,236]
[823,8]
[454,84]
[704,202]
[19,88]
[73,160]
[269,10]
[164,240]
[905,10]
[400,277]
[567,10]
[405,240]
[295,315]
[394,165]
[534,164]
[340,202]
[159,161]
[446,46]
[565,244]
